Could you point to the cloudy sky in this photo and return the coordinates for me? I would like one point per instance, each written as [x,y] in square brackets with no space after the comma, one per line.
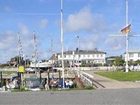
[94,21]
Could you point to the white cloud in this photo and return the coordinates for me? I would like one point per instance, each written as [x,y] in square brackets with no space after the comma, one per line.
[85,20]
[43,23]
[89,42]
[91,24]
[23,29]
[7,40]
[8,46]
[81,20]
[9,43]
[117,47]
[7,9]
[115,43]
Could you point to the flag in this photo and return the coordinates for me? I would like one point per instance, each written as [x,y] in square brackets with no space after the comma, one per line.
[126,29]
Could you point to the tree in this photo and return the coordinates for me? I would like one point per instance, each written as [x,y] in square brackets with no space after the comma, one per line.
[137,62]
[17,60]
[118,61]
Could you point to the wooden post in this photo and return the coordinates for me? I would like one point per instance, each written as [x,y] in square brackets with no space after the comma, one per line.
[40,76]
[48,78]
[59,75]
[1,79]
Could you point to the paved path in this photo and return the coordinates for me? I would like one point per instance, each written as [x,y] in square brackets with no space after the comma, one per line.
[113,84]
[77,97]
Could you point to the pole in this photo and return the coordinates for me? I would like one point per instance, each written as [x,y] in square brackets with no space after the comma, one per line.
[78,55]
[1,79]
[40,77]
[127,40]
[52,58]
[73,53]
[19,49]
[35,51]
[19,59]
[62,46]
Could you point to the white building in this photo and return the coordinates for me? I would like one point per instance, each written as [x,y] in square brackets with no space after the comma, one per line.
[83,56]
[133,56]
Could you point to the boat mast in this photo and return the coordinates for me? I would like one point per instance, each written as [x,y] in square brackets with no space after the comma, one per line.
[20,51]
[62,44]
[35,50]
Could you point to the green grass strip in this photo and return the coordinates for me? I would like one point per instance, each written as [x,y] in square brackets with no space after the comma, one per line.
[121,76]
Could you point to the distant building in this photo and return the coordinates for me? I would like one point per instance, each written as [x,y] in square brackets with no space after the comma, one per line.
[82,57]
[133,56]
[110,60]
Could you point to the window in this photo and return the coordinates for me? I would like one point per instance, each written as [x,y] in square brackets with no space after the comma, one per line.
[131,55]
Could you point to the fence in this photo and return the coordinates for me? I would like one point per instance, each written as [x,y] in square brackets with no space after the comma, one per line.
[8,69]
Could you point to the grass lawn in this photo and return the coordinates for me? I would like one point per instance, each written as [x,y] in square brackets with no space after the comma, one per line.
[121,76]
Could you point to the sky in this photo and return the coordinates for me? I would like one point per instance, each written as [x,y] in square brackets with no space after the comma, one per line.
[94,21]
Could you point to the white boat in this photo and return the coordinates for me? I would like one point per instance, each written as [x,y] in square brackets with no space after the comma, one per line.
[41,65]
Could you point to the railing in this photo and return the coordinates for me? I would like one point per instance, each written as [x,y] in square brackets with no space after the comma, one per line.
[8,69]
[86,78]
[89,80]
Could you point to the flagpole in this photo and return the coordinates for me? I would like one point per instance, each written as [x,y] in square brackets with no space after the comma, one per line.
[127,40]
[62,46]
[126,31]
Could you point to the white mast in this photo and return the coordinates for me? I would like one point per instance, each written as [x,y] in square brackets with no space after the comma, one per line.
[126,68]
[62,46]
[35,50]
[78,42]
[20,51]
